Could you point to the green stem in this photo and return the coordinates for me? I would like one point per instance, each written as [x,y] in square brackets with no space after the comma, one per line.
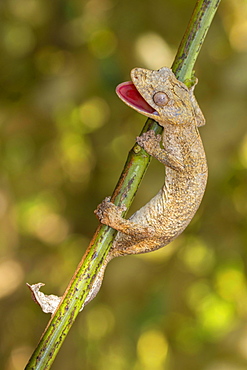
[193,38]
[133,172]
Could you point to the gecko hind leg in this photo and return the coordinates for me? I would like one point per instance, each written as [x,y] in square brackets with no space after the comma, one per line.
[111,215]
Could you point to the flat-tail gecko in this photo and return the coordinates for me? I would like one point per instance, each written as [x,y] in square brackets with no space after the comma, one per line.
[160,96]
[173,105]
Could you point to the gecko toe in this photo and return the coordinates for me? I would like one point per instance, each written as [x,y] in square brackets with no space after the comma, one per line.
[107,212]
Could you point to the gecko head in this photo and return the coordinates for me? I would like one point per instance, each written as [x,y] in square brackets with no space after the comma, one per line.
[160,96]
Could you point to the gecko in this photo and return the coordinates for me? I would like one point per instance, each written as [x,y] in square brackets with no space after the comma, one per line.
[158,94]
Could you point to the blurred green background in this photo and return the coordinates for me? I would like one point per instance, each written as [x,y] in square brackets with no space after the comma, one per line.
[64,139]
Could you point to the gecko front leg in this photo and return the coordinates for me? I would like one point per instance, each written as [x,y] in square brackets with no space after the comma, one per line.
[151,143]
[111,215]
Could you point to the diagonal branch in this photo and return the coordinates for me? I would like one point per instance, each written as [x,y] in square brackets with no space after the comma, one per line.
[133,172]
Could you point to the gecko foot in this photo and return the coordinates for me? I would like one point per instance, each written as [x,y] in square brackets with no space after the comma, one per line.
[108,213]
[149,141]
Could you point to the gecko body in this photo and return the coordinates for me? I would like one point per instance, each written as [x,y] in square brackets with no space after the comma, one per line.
[160,96]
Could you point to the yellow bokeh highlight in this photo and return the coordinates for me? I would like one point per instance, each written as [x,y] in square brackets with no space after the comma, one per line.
[241,343]
[231,285]
[94,113]
[113,358]
[18,39]
[215,316]
[11,276]
[234,18]
[197,256]
[100,322]
[39,216]
[152,350]
[238,36]
[19,357]
[74,122]
[33,12]
[52,228]
[153,51]
[74,155]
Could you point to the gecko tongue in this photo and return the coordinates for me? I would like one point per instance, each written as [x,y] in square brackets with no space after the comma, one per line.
[130,95]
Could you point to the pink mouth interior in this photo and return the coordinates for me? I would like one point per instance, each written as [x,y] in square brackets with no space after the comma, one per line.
[129,94]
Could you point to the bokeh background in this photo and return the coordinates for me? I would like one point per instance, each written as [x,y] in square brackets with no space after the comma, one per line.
[64,139]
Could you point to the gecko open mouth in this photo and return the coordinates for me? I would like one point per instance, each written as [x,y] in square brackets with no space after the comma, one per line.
[131,96]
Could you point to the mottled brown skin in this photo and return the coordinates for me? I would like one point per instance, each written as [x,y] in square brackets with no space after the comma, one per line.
[166,215]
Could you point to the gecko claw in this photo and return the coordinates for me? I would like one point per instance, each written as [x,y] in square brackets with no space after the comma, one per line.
[107,212]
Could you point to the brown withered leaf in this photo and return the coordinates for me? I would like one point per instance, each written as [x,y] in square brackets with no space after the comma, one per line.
[48,303]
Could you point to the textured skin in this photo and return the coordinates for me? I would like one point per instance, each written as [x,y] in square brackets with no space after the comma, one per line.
[166,215]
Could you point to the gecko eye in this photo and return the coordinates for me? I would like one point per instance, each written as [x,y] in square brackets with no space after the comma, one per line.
[160,98]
